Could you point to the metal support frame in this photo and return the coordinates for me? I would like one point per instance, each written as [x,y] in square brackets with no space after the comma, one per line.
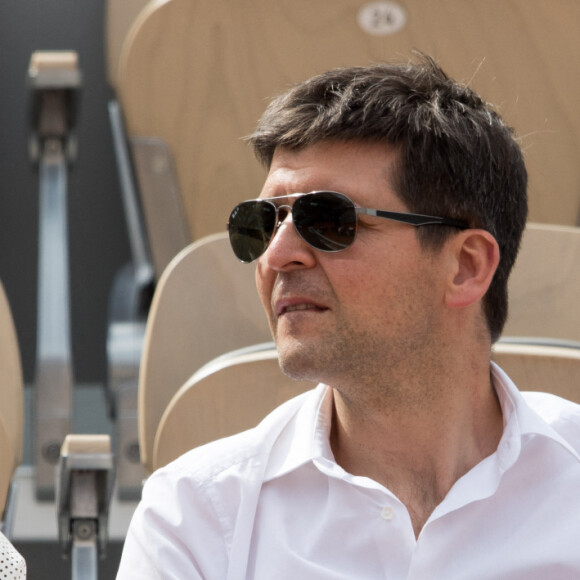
[129,303]
[54,81]
[85,479]
[154,212]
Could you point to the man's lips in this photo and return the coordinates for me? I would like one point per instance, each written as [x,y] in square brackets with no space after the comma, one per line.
[297,305]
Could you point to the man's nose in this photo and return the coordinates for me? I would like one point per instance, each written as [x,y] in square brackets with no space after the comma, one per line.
[288,250]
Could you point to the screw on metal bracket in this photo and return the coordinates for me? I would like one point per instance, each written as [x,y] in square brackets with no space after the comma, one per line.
[132,452]
[51,451]
[84,529]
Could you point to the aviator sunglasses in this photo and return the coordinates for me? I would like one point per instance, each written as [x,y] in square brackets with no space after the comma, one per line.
[326,220]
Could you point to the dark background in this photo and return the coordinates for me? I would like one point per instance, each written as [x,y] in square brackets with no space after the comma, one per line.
[97,235]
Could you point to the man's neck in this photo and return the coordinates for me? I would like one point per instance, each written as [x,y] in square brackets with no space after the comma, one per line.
[420,447]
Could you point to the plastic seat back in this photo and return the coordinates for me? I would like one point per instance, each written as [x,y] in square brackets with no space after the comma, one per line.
[542,367]
[120,15]
[226,396]
[544,288]
[198,73]
[12,408]
[205,304]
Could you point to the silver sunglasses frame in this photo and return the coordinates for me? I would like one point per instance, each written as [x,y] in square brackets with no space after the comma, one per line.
[413,219]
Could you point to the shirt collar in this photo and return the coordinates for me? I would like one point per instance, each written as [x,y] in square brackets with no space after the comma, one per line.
[305,437]
[527,414]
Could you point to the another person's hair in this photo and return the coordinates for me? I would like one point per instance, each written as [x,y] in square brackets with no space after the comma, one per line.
[456,156]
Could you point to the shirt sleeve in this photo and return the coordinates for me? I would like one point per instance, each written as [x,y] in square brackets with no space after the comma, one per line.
[175,533]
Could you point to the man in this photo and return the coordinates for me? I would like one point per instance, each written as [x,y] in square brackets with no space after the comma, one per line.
[415,457]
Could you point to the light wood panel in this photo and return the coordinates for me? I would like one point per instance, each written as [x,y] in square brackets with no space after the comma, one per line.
[549,369]
[544,288]
[226,397]
[205,304]
[198,73]
[8,462]
[12,407]
[120,15]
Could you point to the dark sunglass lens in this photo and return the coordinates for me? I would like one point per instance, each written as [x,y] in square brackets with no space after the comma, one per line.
[325,220]
[251,226]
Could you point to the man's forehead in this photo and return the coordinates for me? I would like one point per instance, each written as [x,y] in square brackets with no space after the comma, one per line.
[351,167]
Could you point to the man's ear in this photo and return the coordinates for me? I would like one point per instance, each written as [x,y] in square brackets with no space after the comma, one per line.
[475,259]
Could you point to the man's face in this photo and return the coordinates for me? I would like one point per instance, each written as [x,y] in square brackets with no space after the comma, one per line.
[361,312]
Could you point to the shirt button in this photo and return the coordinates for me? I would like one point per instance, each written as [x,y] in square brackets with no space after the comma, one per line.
[387,513]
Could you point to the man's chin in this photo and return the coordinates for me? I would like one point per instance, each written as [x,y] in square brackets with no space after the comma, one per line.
[299,362]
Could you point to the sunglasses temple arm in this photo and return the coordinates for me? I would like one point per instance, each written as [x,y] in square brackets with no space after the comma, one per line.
[412,218]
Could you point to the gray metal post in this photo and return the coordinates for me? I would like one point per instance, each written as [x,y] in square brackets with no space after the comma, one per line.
[128,308]
[54,375]
[85,478]
[54,80]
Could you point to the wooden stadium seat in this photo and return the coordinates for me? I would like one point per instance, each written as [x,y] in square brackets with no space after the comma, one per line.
[205,304]
[542,367]
[544,288]
[120,15]
[228,395]
[157,231]
[9,465]
[12,408]
[198,73]
[156,221]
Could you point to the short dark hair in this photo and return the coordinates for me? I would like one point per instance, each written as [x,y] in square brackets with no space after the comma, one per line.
[456,156]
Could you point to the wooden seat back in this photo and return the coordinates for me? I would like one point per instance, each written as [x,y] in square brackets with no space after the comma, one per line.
[12,408]
[544,288]
[226,396]
[120,15]
[198,74]
[537,367]
[205,304]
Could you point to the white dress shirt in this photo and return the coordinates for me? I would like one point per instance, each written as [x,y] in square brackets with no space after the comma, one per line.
[271,503]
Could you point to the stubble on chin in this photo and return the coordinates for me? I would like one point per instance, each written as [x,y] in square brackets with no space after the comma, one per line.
[357,362]
[317,359]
